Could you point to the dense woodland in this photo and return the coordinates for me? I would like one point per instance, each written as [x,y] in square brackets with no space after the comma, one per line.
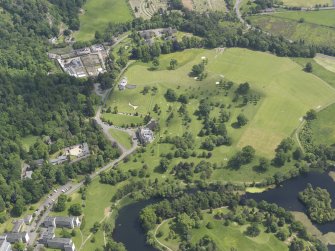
[36,104]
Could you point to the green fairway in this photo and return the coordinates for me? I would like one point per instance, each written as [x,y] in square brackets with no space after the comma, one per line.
[98,13]
[323,127]
[307,3]
[226,237]
[321,17]
[309,32]
[289,92]
[121,137]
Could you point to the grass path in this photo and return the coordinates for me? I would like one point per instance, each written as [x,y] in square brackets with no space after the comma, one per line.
[155,233]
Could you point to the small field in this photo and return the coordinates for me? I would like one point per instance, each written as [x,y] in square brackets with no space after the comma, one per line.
[307,3]
[208,5]
[326,61]
[311,33]
[98,13]
[28,141]
[323,127]
[226,237]
[321,17]
[318,70]
[121,137]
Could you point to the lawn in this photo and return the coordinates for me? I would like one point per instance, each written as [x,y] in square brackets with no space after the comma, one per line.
[311,33]
[288,93]
[318,70]
[98,13]
[121,137]
[28,141]
[321,17]
[227,237]
[307,3]
[323,127]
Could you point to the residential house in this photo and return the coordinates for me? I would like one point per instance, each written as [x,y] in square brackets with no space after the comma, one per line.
[17,237]
[18,225]
[28,219]
[145,135]
[60,221]
[65,244]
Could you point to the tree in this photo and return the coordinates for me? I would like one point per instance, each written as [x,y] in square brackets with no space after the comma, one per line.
[242,120]
[252,230]
[155,63]
[87,180]
[75,209]
[148,218]
[2,204]
[297,245]
[170,95]
[308,67]
[311,115]
[61,203]
[173,64]
[114,246]
[243,89]
[264,165]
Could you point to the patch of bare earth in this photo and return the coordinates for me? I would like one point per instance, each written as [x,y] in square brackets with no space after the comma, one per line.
[188,4]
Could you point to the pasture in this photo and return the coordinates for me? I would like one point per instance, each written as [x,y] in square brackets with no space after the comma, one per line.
[226,237]
[307,3]
[121,137]
[326,61]
[323,128]
[321,17]
[98,13]
[311,33]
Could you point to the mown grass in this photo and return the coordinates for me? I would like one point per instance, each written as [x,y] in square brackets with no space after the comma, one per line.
[227,237]
[323,127]
[287,93]
[97,15]
[311,33]
[121,137]
[318,70]
[320,17]
[28,141]
[326,61]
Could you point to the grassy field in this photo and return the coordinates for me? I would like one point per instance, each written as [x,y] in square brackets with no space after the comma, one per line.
[227,237]
[209,5]
[121,137]
[98,13]
[326,61]
[311,33]
[307,3]
[28,141]
[323,127]
[318,70]
[321,17]
[288,91]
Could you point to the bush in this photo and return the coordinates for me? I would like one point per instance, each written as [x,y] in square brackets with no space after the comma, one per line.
[210,225]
